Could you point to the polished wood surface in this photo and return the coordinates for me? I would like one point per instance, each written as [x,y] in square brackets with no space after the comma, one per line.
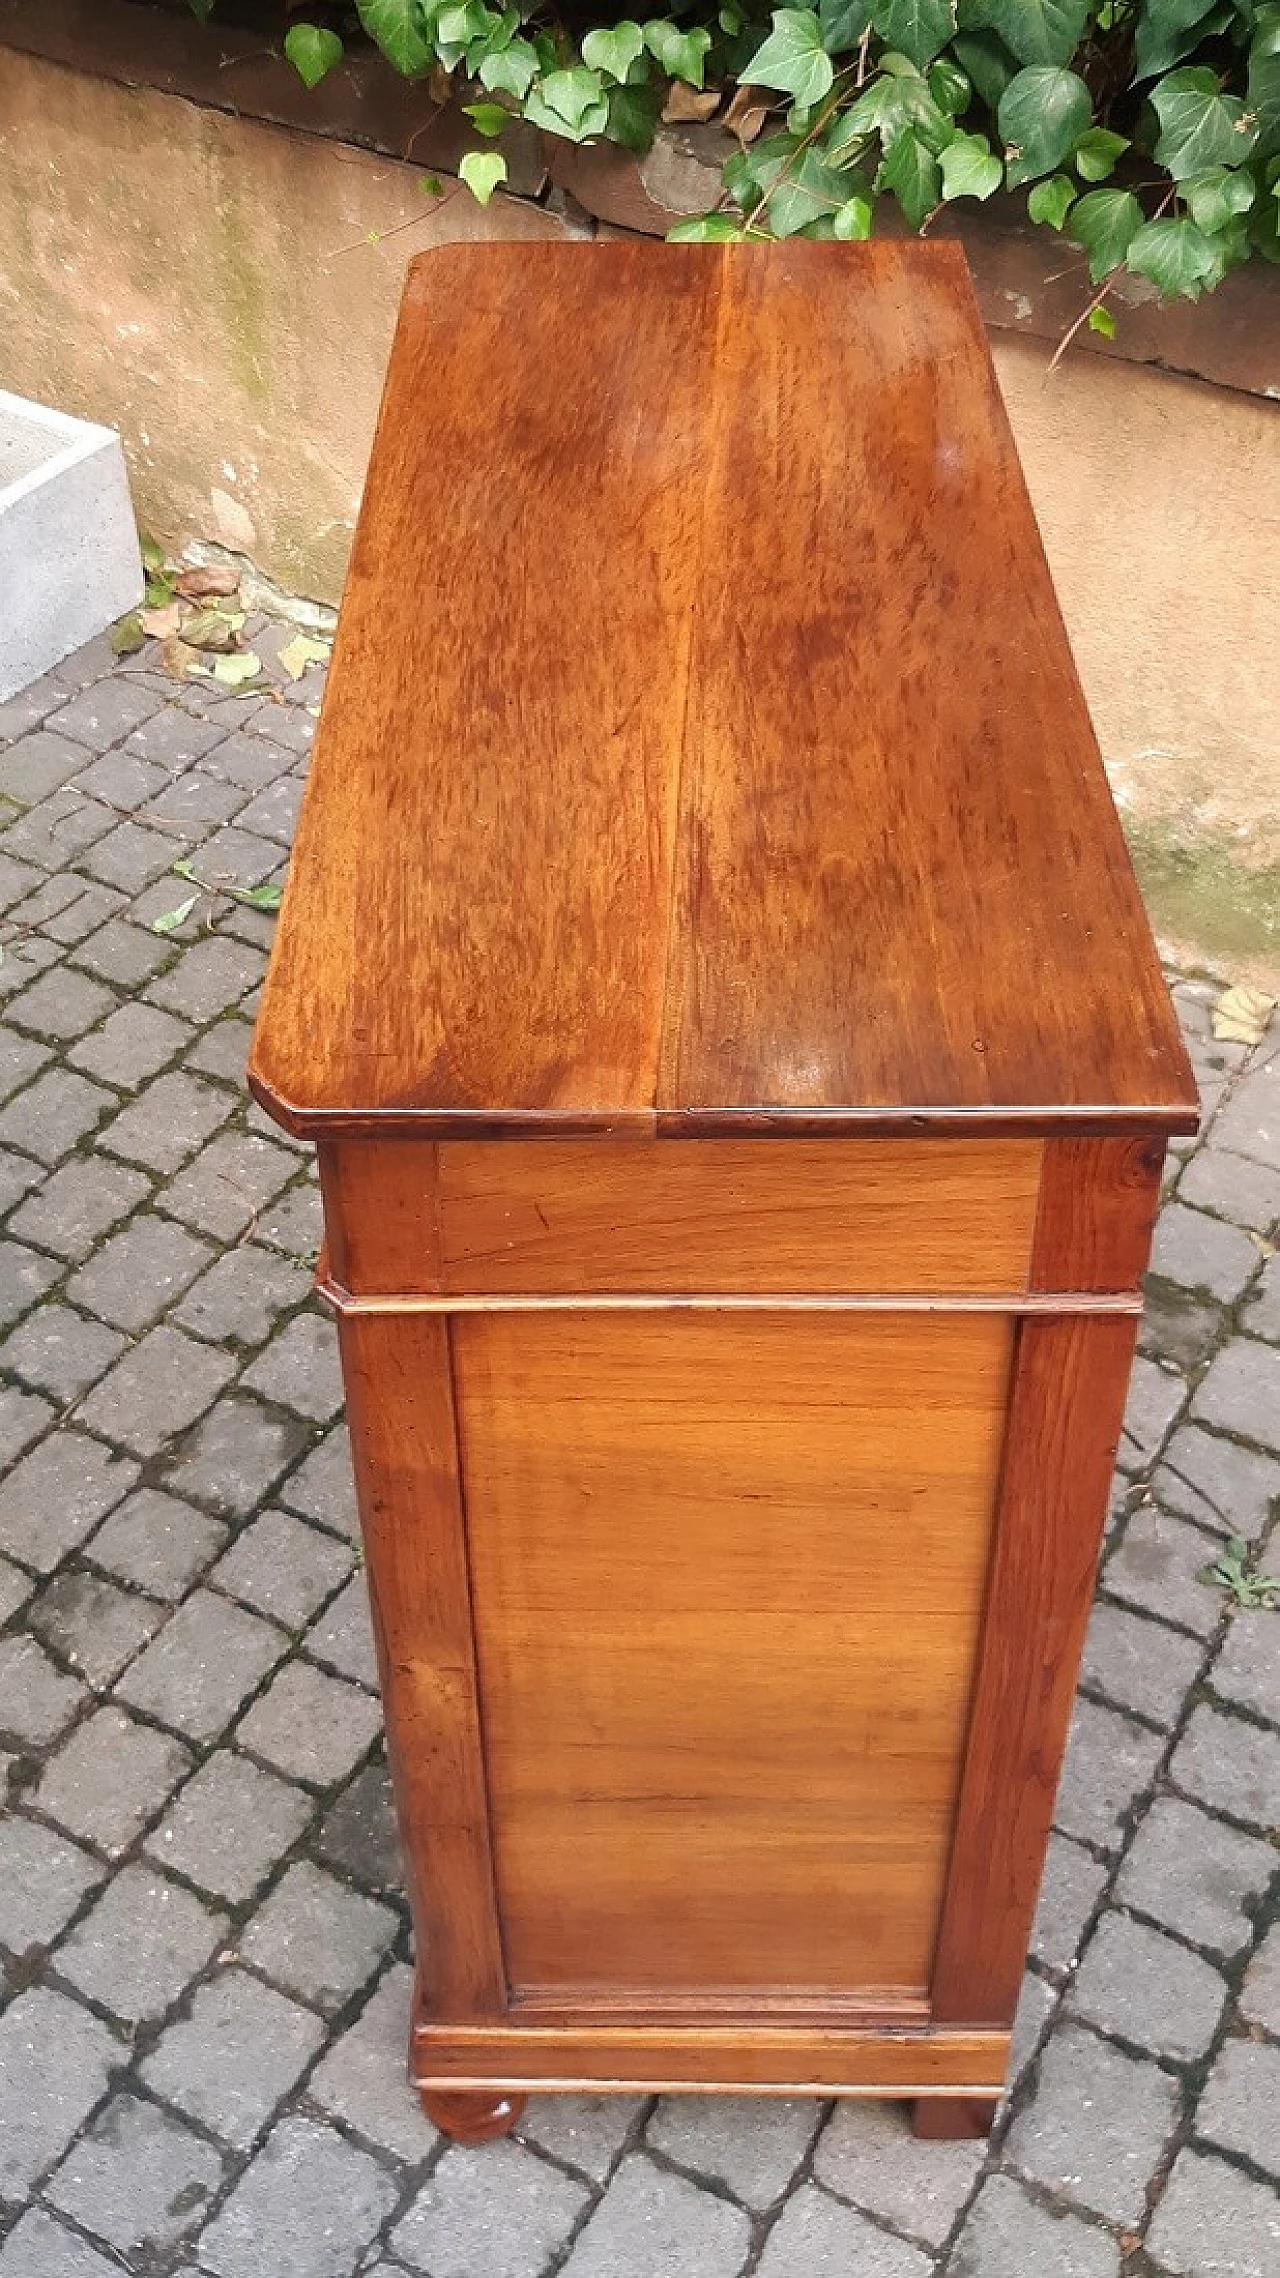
[738,1217]
[728,1577]
[474,2117]
[702,751]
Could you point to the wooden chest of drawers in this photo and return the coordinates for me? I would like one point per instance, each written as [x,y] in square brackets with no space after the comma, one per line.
[713,976]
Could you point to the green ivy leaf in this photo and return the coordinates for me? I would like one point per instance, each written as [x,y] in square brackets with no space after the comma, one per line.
[1165,30]
[706,229]
[888,107]
[682,55]
[482,170]
[1042,115]
[488,119]
[1036,31]
[793,57]
[950,87]
[510,70]
[968,168]
[170,920]
[569,103]
[633,116]
[312,52]
[1199,125]
[613,51]
[1215,198]
[1101,320]
[988,63]
[911,171]
[916,28]
[807,191]
[1105,224]
[1051,201]
[126,635]
[1176,255]
[853,220]
[402,30]
[1263,88]
[843,24]
[1096,153]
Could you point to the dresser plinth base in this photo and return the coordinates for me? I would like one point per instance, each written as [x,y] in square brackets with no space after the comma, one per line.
[951,2119]
[471,2117]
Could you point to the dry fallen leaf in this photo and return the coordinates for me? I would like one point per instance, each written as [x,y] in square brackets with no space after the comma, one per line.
[178,660]
[686,103]
[160,623]
[1241,1015]
[301,651]
[209,629]
[207,582]
[747,113]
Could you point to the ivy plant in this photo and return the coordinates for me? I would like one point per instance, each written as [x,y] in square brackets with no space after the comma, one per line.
[1147,132]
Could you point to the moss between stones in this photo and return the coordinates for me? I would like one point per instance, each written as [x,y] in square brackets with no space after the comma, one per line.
[1197,889]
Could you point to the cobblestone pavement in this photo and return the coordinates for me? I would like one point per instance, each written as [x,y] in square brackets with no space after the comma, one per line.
[206,1955]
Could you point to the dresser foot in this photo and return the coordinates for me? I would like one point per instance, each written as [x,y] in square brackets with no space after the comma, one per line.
[943,2119]
[468,2115]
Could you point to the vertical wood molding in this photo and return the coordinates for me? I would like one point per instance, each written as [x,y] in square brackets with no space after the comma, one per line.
[1097,1213]
[404,1440]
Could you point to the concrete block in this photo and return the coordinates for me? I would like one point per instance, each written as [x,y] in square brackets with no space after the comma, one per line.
[69,561]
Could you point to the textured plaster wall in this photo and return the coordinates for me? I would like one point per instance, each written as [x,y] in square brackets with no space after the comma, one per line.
[208,286]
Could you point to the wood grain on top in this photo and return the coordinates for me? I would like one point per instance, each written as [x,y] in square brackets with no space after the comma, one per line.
[703,751]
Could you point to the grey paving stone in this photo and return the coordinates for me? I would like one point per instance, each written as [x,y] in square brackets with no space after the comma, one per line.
[1110,1761]
[1178,1326]
[173,739]
[131,856]
[1241,2100]
[1190,1871]
[36,1701]
[343,1636]
[167,1122]
[24,1278]
[121,953]
[1217,1482]
[1247,1193]
[157,1390]
[1241,1392]
[868,2154]
[37,765]
[227,1186]
[300,1369]
[59,1352]
[23,960]
[243,1295]
[1139,1985]
[109,1778]
[815,2237]
[17,879]
[133,1044]
[1036,2003]
[1098,2125]
[284,1568]
[20,1056]
[196,803]
[245,760]
[137,1274]
[650,2220]
[39,2247]
[1202,1253]
[223,1051]
[358,1836]
[1156,1396]
[318,1939]
[1247,1669]
[92,662]
[1231,1766]
[67,908]
[310,1726]
[306,2208]
[1249,1124]
[15,1588]
[294,1223]
[283,724]
[1139,1665]
[43,1879]
[20,713]
[137,2178]
[229,1825]
[1009,2235]
[59,829]
[76,1206]
[17,1177]
[143,1941]
[213,976]
[197,1674]
[57,1496]
[323,1487]
[1214,2222]
[54,1114]
[505,2216]
[235,2057]
[1261,1316]
[43,2103]
[1072,1885]
[273,813]
[157,1542]
[233,1459]
[752,2146]
[106,711]
[60,1005]
[92,1624]
[1158,1566]
[235,857]
[363,2079]
[122,780]
[584,2132]
[1260,1992]
[24,1418]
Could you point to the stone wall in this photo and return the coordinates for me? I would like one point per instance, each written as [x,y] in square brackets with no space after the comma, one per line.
[222,290]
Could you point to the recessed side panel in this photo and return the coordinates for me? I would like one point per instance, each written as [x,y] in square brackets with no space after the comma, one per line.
[727,1576]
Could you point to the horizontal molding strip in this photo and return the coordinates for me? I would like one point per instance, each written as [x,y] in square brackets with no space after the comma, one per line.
[1035,1301]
